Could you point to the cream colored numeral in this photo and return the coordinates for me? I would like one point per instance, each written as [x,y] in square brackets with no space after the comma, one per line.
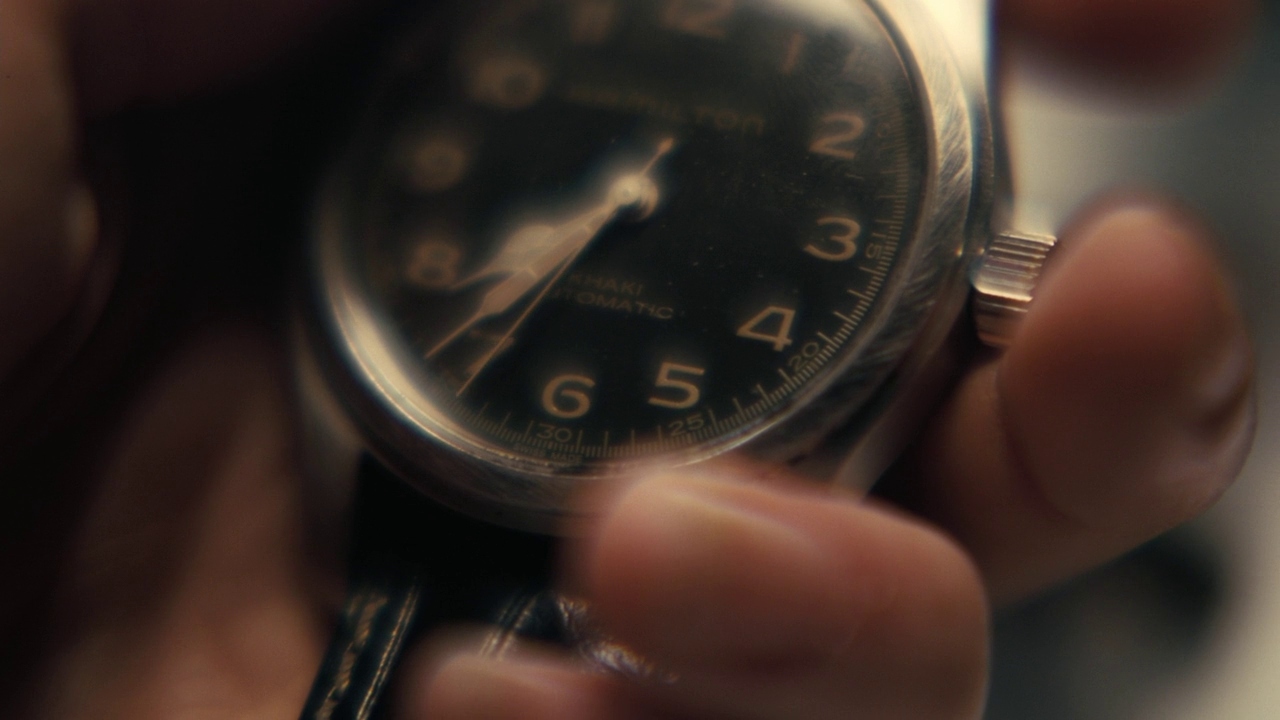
[437,164]
[593,21]
[433,264]
[508,83]
[683,394]
[704,18]
[772,326]
[794,50]
[840,130]
[843,244]
[566,397]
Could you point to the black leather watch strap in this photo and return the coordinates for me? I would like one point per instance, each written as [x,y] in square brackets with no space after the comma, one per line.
[415,566]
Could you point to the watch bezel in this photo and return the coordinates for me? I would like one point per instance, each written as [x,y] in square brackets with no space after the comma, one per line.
[960,194]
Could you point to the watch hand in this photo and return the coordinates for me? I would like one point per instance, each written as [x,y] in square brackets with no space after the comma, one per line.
[502,343]
[526,245]
[534,251]
[502,296]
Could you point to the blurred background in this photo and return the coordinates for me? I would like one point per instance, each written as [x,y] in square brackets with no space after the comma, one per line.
[1189,626]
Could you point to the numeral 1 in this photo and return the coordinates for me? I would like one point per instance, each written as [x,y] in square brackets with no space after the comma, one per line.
[794,50]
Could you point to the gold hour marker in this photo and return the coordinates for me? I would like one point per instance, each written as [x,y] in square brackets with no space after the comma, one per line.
[794,50]
[438,163]
[773,325]
[433,263]
[841,245]
[566,397]
[681,394]
[507,82]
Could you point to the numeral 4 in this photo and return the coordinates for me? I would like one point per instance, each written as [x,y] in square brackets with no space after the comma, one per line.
[772,326]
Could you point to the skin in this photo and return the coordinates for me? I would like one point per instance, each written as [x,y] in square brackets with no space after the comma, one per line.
[152,525]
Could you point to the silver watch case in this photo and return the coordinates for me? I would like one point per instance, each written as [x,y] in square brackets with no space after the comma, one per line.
[845,430]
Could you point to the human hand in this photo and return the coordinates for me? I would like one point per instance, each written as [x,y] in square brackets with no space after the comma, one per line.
[764,599]
[181,585]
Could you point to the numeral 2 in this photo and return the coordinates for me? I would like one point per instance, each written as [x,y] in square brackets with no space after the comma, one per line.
[841,130]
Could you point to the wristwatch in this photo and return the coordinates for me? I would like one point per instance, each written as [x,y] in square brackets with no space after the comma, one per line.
[568,239]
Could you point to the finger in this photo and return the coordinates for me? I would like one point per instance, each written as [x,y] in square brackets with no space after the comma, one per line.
[778,602]
[136,50]
[186,586]
[48,228]
[458,684]
[1123,408]
[1137,39]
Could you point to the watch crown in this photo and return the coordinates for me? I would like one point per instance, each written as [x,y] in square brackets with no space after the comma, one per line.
[1005,283]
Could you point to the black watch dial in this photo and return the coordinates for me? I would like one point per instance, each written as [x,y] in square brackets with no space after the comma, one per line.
[598,230]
